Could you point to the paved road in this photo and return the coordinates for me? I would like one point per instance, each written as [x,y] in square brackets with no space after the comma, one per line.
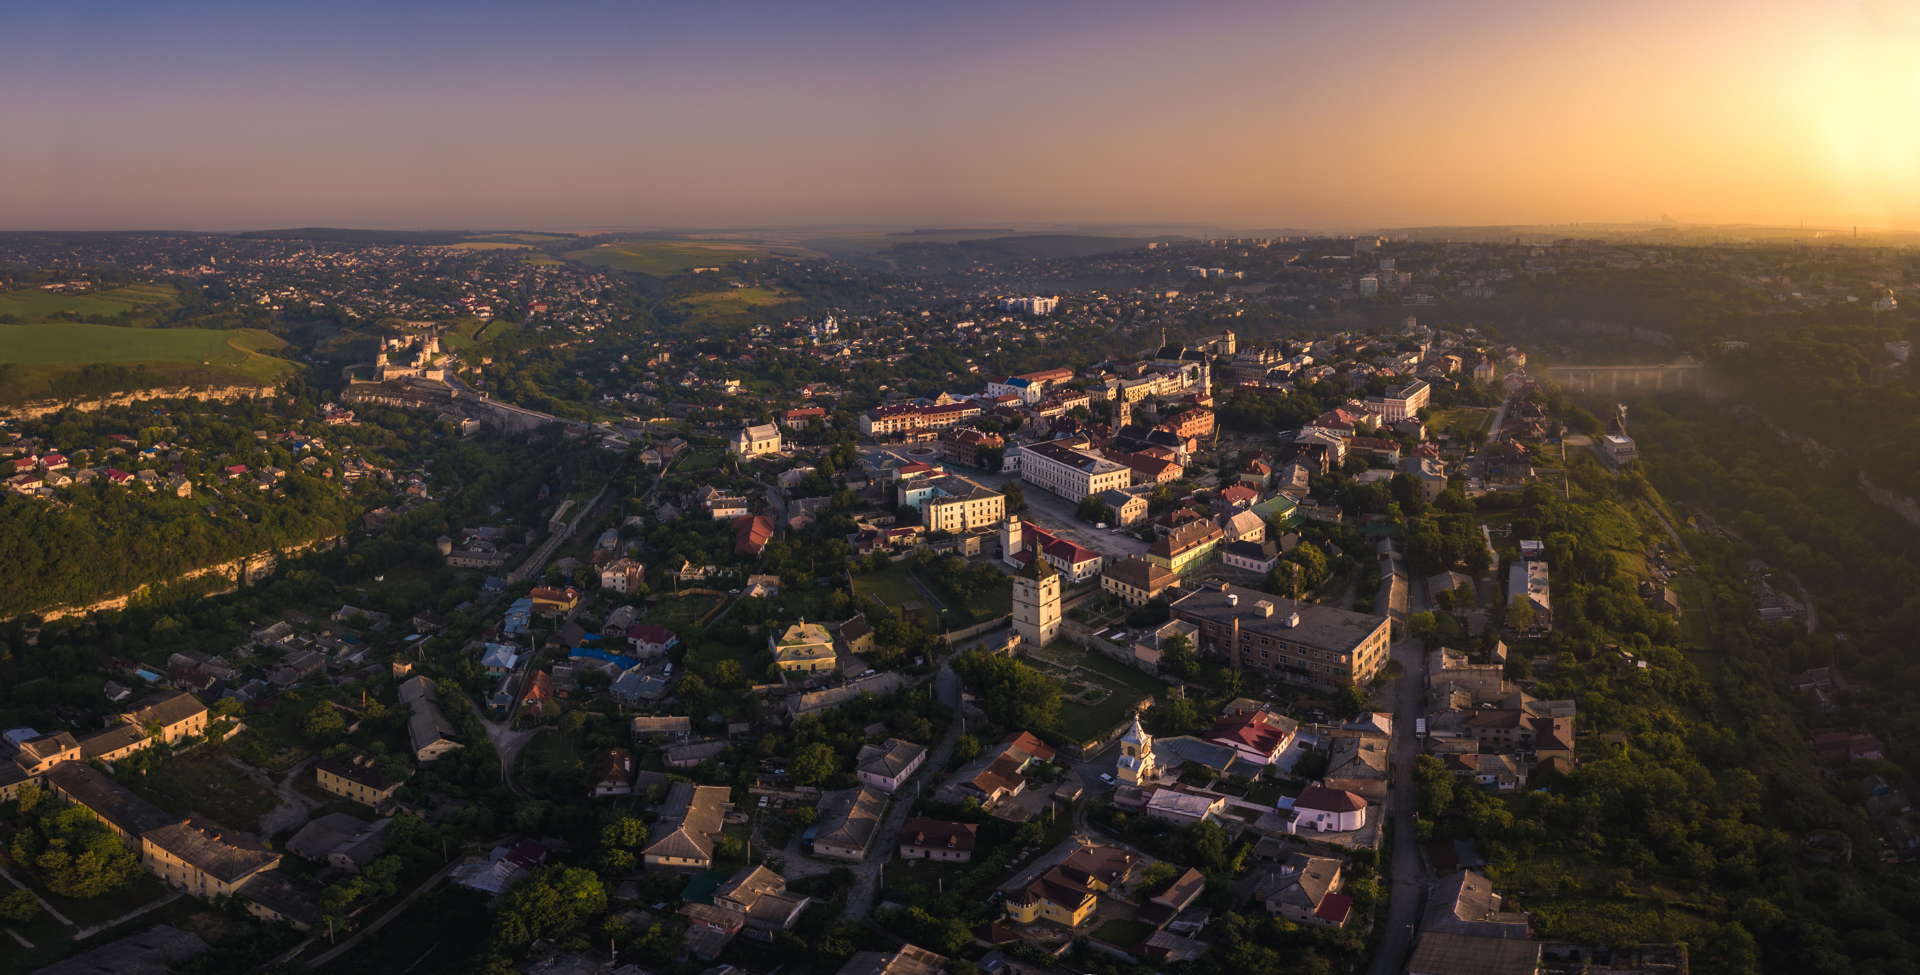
[153,905]
[330,954]
[867,873]
[1062,516]
[1409,879]
[44,905]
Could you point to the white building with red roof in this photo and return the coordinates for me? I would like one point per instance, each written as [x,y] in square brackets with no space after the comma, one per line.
[1325,810]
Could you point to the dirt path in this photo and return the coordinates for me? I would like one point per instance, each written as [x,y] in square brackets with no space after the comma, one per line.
[154,905]
[295,807]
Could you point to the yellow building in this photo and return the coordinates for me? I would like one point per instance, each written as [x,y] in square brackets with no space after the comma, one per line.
[114,743]
[169,717]
[805,648]
[203,859]
[1186,546]
[357,778]
[1053,896]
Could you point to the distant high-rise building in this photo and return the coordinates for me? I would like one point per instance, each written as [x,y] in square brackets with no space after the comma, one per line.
[1369,286]
[1031,306]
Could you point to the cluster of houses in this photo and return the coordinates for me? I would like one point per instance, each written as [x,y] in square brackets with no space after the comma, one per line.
[189,853]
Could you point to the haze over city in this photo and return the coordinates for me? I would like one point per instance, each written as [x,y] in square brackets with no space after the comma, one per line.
[594,115]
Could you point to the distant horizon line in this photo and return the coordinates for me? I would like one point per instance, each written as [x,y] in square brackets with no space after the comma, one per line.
[1116,228]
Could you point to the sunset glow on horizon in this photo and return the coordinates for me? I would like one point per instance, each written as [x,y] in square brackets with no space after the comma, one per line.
[580,115]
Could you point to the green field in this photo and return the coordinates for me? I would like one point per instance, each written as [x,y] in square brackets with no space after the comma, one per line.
[1461,421]
[665,258]
[732,300]
[35,304]
[1100,692]
[894,586]
[34,358]
[206,783]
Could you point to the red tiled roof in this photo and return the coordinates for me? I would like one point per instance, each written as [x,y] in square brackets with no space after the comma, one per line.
[1334,908]
[1324,799]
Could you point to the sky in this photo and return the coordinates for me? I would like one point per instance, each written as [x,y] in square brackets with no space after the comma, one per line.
[1334,114]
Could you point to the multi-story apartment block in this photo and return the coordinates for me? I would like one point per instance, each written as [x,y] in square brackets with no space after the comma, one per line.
[1302,643]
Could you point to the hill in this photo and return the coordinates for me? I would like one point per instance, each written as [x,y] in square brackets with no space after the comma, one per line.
[77,359]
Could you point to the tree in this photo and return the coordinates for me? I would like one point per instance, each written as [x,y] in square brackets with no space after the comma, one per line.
[966,748]
[1014,694]
[1093,510]
[1176,656]
[552,904]
[19,906]
[1520,613]
[625,833]
[1177,716]
[81,857]
[1016,497]
[324,721]
[814,764]
[1312,563]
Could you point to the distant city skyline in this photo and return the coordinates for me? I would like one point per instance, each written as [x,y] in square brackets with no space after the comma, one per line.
[578,115]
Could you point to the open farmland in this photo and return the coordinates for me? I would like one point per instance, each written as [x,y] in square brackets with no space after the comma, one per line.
[665,258]
[35,359]
[34,305]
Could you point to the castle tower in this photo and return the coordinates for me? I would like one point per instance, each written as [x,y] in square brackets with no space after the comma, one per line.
[1011,535]
[1036,602]
[1135,764]
[1229,343]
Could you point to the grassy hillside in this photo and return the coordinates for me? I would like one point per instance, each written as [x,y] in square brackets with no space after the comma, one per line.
[71,358]
[665,258]
[31,305]
[732,300]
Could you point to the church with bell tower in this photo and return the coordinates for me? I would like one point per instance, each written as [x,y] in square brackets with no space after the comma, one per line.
[1135,766]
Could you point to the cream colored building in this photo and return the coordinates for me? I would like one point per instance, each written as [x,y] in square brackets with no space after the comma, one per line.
[1063,469]
[805,648]
[203,859]
[356,778]
[1036,602]
[170,717]
[956,504]
[756,440]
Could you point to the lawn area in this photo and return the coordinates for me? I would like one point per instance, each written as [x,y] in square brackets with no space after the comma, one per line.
[1461,421]
[1123,933]
[204,783]
[664,258]
[549,763]
[37,356]
[1100,692]
[679,613]
[30,305]
[894,586]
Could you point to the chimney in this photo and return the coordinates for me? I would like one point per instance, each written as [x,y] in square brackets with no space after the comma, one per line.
[1263,609]
[1293,619]
[1233,600]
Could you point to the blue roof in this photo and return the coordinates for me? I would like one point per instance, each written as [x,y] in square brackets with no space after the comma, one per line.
[612,658]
